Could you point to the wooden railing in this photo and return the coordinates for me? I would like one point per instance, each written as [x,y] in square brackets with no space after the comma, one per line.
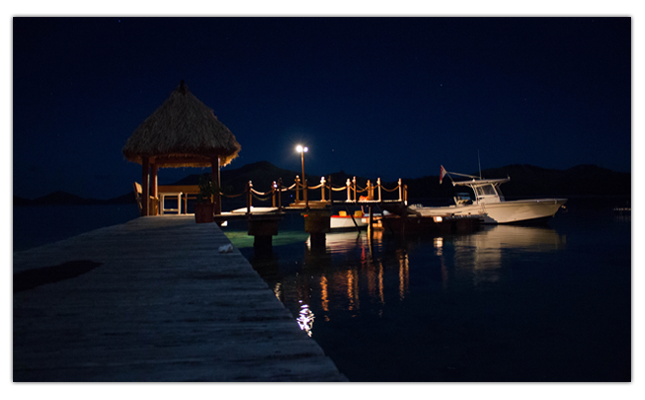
[374,193]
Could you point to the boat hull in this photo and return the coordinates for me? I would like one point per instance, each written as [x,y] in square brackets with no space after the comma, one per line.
[345,223]
[505,212]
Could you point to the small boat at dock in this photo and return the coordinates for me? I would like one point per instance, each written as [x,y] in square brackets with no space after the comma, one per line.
[358,221]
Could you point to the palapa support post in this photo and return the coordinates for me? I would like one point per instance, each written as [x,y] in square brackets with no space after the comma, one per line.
[217,202]
[145,185]
[153,189]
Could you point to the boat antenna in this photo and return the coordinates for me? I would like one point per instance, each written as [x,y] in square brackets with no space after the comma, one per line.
[480,164]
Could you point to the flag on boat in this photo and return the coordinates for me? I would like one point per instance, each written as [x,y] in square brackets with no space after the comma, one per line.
[443,173]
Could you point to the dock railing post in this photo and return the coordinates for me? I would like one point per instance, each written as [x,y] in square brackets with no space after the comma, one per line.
[249,197]
[400,190]
[330,198]
[297,187]
[274,186]
[280,194]
[322,188]
[354,184]
[305,189]
[370,190]
[378,183]
[349,196]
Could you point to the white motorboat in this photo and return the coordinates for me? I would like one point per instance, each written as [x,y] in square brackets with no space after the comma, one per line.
[489,203]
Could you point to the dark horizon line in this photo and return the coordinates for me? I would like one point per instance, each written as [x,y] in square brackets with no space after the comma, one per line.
[92,200]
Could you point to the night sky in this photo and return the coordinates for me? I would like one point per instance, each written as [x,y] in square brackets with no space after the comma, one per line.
[388,97]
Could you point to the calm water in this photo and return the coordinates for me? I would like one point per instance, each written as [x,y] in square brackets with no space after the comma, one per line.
[507,303]
[37,225]
[503,304]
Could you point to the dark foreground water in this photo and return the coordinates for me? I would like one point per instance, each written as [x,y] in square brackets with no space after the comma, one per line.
[503,304]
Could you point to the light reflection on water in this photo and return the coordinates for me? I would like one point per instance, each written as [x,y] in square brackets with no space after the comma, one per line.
[354,270]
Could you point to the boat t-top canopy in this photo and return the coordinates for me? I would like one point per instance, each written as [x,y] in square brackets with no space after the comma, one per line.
[481,182]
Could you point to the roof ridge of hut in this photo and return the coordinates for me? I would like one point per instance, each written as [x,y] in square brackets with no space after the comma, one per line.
[183,131]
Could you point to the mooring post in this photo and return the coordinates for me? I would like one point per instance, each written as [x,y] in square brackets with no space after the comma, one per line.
[297,187]
[263,228]
[404,220]
[317,224]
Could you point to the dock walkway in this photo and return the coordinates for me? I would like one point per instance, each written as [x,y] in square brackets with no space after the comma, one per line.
[153,300]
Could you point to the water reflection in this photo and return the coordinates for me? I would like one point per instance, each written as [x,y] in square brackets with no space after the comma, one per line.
[306,319]
[484,253]
[360,273]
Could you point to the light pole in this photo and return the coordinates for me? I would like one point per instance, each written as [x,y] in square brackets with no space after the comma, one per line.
[302,150]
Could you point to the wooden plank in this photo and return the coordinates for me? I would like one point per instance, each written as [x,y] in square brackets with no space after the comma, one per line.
[163,305]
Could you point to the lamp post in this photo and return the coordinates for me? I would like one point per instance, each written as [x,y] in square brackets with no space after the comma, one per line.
[302,150]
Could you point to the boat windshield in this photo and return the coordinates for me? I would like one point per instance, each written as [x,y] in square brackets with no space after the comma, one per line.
[486,190]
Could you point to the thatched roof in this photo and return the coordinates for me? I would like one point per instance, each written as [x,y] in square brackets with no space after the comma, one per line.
[182,132]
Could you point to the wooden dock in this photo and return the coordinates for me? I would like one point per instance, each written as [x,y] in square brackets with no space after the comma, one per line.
[153,300]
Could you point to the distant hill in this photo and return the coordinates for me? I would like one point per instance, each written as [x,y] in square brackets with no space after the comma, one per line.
[60,197]
[262,174]
[526,180]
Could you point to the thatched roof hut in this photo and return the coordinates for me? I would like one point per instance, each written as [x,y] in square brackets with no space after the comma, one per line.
[182,132]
